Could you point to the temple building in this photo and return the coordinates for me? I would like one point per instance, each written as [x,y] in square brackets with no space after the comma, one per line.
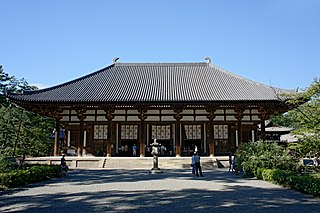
[182,105]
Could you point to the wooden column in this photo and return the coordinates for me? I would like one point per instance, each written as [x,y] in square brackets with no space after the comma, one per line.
[178,117]
[57,116]
[81,117]
[211,117]
[81,139]
[263,130]
[239,116]
[143,130]
[263,115]
[110,117]
[57,138]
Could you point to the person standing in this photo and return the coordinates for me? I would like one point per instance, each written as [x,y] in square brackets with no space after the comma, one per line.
[193,163]
[230,163]
[134,150]
[63,164]
[235,165]
[126,150]
[198,165]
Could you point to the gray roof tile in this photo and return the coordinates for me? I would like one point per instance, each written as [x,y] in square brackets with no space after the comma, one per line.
[154,82]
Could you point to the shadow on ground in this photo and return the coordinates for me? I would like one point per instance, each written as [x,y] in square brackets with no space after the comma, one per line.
[233,198]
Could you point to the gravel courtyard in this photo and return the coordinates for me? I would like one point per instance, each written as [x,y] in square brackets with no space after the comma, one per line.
[139,191]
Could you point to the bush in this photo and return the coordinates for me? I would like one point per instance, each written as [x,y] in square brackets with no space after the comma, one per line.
[31,175]
[261,154]
[5,165]
[307,184]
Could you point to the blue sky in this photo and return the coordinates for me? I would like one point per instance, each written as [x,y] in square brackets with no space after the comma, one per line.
[275,42]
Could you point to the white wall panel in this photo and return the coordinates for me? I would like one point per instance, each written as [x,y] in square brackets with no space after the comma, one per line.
[187,118]
[219,111]
[201,111]
[153,118]
[254,111]
[167,118]
[231,118]
[202,118]
[132,111]
[101,118]
[219,118]
[255,118]
[166,112]
[90,111]
[119,118]
[133,118]
[246,118]
[65,112]
[65,118]
[101,112]
[153,112]
[74,118]
[187,111]
[120,111]
[230,111]
[90,118]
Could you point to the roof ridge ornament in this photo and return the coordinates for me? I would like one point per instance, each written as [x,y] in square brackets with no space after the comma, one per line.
[115,60]
[208,60]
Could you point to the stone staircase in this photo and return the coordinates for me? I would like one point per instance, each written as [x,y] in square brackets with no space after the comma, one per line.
[132,162]
[164,162]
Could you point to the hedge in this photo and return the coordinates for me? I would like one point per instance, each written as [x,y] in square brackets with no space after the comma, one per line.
[306,183]
[32,174]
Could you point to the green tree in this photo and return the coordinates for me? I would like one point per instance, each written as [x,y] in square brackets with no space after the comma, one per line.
[304,118]
[4,81]
[263,154]
[22,132]
[310,145]
[304,115]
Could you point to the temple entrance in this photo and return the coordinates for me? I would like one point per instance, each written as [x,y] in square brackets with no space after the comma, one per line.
[192,139]
[166,148]
[163,135]
[127,146]
[190,146]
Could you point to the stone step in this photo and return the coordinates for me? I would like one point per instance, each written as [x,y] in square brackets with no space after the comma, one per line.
[132,162]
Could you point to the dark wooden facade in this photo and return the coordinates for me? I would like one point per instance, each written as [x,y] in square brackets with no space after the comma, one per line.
[215,130]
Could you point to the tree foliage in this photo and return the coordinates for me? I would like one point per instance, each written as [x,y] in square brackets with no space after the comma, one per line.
[304,115]
[262,154]
[310,145]
[21,132]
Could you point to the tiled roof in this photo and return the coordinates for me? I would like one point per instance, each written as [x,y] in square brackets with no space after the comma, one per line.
[155,83]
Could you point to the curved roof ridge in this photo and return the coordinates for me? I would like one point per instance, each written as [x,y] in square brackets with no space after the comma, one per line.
[249,80]
[238,76]
[29,92]
[163,64]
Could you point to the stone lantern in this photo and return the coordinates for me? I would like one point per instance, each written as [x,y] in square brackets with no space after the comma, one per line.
[155,152]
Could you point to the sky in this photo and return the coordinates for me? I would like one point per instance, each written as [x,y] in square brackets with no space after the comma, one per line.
[274,42]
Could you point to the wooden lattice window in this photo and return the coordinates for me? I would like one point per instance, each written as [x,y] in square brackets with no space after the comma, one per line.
[192,132]
[129,132]
[162,132]
[220,131]
[100,132]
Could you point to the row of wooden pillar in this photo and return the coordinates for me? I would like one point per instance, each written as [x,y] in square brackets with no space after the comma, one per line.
[142,138]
